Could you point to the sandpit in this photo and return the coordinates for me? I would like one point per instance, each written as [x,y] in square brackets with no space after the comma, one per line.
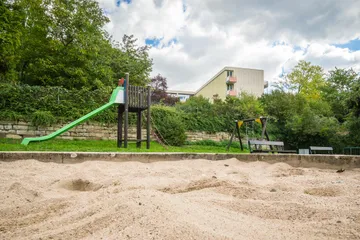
[192,199]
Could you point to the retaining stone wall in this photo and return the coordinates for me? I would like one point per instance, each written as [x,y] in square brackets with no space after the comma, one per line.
[91,131]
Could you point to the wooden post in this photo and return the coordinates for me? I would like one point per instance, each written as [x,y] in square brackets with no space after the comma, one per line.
[263,123]
[263,126]
[119,126]
[238,132]
[138,129]
[231,138]
[148,119]
[126,125]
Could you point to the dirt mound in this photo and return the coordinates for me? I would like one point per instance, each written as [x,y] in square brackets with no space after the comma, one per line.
[289,172]
[241,192]
[22,193]
[194,186]
[80,185]
[323,191]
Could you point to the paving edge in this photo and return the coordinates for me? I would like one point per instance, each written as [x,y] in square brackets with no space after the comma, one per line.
[319,161]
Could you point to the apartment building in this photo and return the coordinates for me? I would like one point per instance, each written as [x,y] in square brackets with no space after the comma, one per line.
[182,95]
[231,81]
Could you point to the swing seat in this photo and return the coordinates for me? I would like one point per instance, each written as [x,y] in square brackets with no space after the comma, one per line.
[272,147]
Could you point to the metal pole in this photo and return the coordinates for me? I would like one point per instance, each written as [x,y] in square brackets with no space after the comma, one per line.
[126,125]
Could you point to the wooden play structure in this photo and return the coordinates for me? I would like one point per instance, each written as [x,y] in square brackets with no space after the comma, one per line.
[136,99]
[129,99]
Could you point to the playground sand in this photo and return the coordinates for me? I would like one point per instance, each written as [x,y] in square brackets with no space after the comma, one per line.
[195,199]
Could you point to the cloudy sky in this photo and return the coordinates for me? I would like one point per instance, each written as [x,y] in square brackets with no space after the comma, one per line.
[194,39]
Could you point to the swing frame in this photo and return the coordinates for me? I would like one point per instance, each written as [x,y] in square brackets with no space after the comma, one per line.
[239,123]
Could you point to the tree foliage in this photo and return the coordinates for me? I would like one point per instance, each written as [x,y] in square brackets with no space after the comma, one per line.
[305,79]
[62,43]
[159,95]
[168,125]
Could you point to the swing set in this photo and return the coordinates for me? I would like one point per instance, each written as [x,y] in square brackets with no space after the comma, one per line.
[275,146]
[239,123]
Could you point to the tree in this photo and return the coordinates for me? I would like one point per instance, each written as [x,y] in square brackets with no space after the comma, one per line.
[10,35]
[128,57]
[159,94]
[299,121]
[339,88]
[62,43]
[305,79]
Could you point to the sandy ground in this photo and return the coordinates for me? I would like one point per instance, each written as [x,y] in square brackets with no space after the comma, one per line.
[195,199]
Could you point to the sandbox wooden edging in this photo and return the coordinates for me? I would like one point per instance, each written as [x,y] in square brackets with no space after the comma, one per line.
[319,161]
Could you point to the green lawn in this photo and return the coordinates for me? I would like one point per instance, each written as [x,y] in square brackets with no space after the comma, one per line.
[105,146]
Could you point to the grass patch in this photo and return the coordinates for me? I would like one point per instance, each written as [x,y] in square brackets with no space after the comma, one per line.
[105,146]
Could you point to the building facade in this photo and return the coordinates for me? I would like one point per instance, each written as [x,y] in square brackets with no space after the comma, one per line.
[231,81]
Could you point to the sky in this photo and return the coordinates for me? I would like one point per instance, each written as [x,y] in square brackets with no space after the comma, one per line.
[192,40]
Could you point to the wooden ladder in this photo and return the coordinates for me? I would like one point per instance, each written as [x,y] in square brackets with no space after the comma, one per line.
[158,139]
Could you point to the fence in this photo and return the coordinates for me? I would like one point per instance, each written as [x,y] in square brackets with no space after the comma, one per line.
[352,151]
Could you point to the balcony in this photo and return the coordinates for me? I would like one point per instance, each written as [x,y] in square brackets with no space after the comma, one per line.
[230,79]
[231,93]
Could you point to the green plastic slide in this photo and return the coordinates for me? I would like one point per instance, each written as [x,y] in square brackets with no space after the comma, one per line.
[111,102]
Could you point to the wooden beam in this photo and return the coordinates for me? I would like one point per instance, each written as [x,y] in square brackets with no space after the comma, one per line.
[138,129]
[119,126]
[148,118]
[126,125]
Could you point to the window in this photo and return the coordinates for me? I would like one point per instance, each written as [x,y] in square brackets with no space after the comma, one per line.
[230,87]
[229,73]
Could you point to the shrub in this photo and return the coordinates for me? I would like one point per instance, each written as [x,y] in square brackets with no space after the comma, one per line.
[42,118]
[224,143]
[10,115]
[168,125]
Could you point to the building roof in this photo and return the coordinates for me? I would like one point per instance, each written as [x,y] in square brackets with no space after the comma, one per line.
[221,71]
[180,92]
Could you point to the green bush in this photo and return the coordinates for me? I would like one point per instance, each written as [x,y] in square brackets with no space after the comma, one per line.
[168,125]
[42,118]
[10,115]
[235,143]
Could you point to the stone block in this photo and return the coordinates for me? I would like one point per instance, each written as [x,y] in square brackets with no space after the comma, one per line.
[24,132]
[13,136]
[1,126]
[66,134]
[8,126]
[42,128]
[98,135]
[32,128]
[40,133]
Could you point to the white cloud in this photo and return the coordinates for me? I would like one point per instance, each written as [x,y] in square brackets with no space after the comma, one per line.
[212,34]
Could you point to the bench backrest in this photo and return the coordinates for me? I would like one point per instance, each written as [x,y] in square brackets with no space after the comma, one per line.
[321,148]
[313,149]
[270,143]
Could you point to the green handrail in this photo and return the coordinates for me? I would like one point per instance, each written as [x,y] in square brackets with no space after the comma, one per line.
[67,127]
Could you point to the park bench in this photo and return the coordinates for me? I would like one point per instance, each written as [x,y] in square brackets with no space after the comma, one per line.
[273,147]
[319,150]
